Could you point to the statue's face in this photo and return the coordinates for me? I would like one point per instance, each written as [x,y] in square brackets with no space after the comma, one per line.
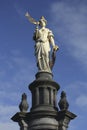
[42,23]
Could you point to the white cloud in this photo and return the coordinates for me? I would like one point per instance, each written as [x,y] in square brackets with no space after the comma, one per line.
[76,95]
[7,97]
[70,24]
[9,126]
[6,112]
[16,70]
[81,101]
[16,73]
[76,88]
[19,10]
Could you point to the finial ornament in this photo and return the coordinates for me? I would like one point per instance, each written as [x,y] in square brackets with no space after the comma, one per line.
[23,106]
[44,39]
[63,103]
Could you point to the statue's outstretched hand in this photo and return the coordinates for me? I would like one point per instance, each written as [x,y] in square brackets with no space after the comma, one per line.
[55,48]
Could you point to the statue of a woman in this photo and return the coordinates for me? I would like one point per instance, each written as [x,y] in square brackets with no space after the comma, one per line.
[44,39]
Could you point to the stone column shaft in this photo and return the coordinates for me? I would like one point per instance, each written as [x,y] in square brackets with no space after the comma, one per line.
[46,96]
[51,97]
[54,97]
[37,96]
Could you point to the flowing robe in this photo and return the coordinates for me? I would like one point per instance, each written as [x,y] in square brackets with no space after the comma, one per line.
[43,38]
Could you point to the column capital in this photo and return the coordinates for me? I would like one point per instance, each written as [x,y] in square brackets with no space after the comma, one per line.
[21,118]
[64,118]
[18,116]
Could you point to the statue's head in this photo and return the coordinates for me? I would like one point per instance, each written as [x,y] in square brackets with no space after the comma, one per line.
[42,21]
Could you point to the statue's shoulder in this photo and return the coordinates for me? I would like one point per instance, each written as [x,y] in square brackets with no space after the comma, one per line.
[48,30]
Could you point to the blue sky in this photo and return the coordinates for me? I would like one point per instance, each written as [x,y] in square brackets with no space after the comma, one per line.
[68,21]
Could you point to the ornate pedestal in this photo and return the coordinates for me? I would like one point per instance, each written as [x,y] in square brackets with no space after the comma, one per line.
[44,114]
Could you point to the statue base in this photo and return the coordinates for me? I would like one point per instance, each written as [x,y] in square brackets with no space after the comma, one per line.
[44,75]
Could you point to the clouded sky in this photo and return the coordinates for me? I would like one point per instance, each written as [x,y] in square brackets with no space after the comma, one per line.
[68,21]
